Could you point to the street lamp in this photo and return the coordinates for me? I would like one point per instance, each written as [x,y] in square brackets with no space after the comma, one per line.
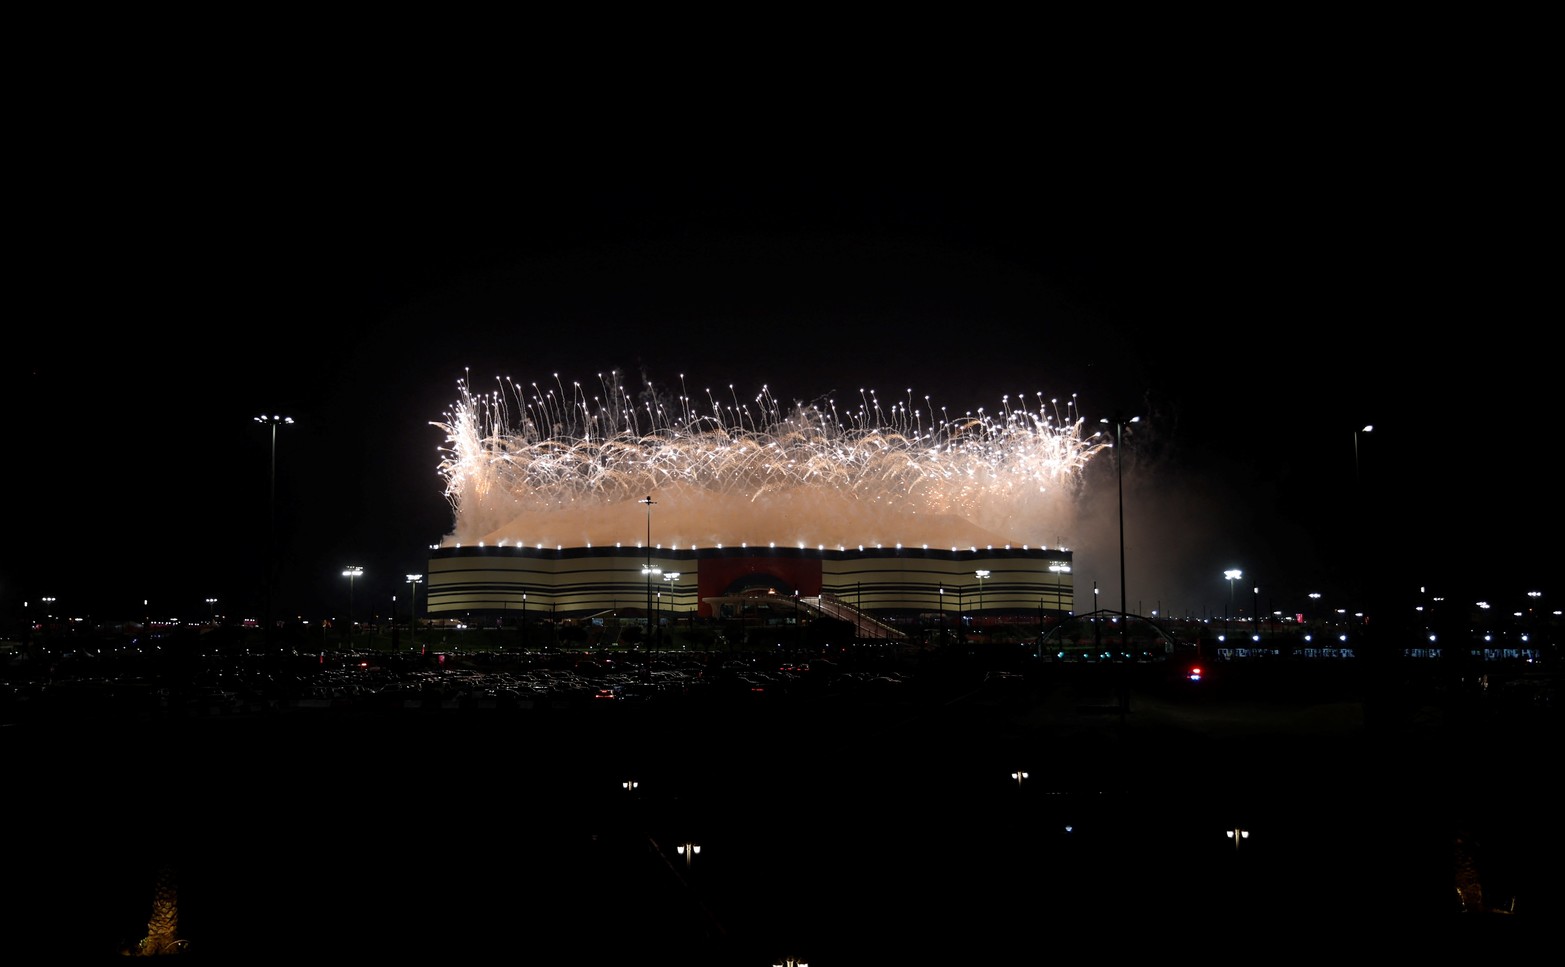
[1367,429]
[1232,575]
[1238,836]
[1119,422]
[858,607]
[647,570]
[1256,617]
[672,579]
[1357,588]
[1018,776]
[350,572]
[1058,568]
[524,620]
[211,605]
[688,851]
[981,574]
[271,524]
[798,626]
[413,582]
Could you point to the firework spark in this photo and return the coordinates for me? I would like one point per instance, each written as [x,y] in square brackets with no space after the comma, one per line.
[551,466]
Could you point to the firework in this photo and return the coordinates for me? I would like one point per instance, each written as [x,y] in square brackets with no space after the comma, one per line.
[551,466]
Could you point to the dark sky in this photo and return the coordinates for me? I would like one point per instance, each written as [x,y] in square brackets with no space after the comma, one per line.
[1255,301]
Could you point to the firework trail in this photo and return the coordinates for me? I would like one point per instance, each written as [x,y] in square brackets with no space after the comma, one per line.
[556,466]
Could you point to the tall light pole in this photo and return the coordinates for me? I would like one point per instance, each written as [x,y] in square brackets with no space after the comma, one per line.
[1358,520]
[211,606]
[798,627]
[942,612]
[351,572]
[1119,421]
[981,573]
[413,582]
[1232,575]
[1255,618]
[1368,428]
[271,523]
[646,569]
[1097,621]
[1059,591]
[672,579]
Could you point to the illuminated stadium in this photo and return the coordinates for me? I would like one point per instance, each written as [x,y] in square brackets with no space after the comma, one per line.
[573,504]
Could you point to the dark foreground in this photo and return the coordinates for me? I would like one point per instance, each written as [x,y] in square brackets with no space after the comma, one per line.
[876,829]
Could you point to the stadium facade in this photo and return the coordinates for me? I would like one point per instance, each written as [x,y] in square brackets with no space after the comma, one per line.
[577,582]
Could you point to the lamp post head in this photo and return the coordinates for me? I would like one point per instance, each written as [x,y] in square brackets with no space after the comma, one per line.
[1233,574]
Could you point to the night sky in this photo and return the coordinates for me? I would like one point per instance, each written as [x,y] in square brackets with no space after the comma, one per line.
[1253,301]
